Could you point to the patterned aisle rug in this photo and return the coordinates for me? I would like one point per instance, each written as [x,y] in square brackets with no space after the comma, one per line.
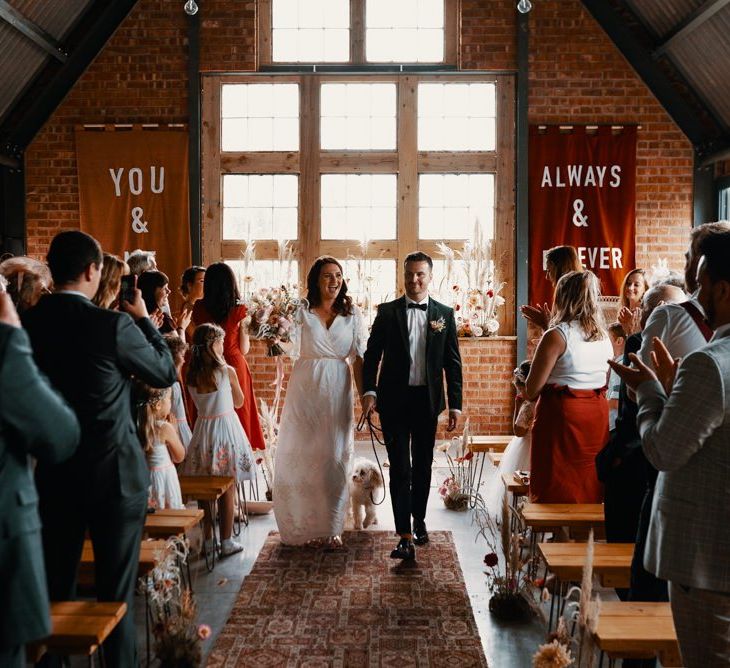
[352,607]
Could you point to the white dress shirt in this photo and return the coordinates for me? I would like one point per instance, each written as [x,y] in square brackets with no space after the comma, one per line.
[417,321]
[675,328]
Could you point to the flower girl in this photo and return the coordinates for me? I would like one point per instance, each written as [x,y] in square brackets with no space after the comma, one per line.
[219,445]
[178,417]
[162,446]
[516,456]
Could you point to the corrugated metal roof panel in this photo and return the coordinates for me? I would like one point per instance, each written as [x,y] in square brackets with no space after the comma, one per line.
[704,58]
[56,18]
[663,16]
[20,61]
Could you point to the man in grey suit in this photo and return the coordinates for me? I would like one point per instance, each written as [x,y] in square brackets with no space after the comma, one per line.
[685,432]
[34,420]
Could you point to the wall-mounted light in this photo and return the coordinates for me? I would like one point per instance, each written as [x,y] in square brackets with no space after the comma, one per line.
[524,6]
[191,7]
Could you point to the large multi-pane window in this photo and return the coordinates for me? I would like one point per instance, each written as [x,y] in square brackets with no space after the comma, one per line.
[372,168]
[363,165]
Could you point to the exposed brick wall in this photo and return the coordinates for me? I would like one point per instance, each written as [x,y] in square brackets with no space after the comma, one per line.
[576,76]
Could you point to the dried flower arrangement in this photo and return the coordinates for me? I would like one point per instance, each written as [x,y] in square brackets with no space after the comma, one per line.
[584,611]
[177,635]
[270,427]
[475,302]
[456,489]
[513,596]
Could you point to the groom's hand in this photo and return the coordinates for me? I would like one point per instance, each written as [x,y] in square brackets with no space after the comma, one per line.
[368,405]
[453,420]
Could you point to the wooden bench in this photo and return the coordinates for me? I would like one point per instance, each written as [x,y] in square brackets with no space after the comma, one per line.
[543,517]
[206,490]
[479,446]
[171,522]
[78,628]
[495,458]
[633,630]
[147,551]
[515,486]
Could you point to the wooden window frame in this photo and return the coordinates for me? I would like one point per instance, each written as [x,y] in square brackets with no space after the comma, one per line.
[264,25]
[310,162]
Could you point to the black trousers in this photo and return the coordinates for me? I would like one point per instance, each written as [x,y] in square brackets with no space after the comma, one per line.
[409,439]
[115,526]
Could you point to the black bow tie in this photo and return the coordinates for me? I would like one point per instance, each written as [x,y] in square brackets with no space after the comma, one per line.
[422,307]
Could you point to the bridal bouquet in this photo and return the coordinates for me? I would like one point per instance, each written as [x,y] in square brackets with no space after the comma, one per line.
[272,312]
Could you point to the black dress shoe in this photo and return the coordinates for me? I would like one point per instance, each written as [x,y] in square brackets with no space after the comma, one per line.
[404,550]
[420,535]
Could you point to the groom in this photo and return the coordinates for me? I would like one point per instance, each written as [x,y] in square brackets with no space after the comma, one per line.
[414,341]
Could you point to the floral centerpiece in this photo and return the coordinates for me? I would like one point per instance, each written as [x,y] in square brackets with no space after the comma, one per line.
[456,489]
[177,635]
[470,286]
[270,427]
[508,579]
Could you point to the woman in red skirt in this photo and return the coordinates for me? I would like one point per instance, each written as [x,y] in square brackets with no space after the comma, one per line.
[568,374]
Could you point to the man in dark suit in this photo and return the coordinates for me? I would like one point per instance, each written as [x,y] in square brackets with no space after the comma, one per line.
[413,339]
[34,420]
[89,354]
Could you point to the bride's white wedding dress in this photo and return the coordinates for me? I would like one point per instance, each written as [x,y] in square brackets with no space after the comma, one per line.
[314,450]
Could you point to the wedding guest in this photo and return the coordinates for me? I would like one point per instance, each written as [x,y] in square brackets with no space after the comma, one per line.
[516,455]
[155,291]
[681,327]
[568,374]
[219,445]
[90,354]
[685,432]
[618,341]
[107,296]
[161,444]
[191,291]
[28,280]
[140,261]
[559,261]
[221,304]
[178,415]
[34,421]
[633,288]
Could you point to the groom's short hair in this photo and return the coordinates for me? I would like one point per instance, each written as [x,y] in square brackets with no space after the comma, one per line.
[418,256]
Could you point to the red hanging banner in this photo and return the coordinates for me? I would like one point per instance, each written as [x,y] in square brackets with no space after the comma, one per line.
[583,194]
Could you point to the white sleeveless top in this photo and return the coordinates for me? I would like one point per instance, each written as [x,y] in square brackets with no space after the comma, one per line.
[584,364]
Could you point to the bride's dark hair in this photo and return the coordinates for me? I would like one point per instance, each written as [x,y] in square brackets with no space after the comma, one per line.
[343,302]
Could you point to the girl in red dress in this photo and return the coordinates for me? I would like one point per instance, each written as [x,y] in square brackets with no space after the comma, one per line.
[568,374]
[221,305]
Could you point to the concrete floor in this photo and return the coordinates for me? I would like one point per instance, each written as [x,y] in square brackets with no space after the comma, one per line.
[505,645]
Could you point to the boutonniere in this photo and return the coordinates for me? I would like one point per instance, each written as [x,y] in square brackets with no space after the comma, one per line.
[438,325]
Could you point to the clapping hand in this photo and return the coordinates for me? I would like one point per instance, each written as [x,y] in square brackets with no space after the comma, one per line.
[157,317]
[183,321]
[634,375]
[630,320]
[664,365]
[538,315]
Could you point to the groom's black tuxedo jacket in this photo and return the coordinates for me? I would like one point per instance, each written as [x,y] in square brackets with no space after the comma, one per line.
[89,354]
[389,342]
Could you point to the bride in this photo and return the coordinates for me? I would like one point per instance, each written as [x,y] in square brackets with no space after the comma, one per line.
[314,449]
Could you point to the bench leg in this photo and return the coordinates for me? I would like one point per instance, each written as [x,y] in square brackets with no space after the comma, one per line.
[210,558]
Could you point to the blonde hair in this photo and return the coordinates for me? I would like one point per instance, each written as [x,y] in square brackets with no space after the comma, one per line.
[642,273]
[147,398]
[111,280]
[576,298]
[203,361]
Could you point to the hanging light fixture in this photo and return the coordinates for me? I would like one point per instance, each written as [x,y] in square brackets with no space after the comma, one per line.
[191,7]
[524,6]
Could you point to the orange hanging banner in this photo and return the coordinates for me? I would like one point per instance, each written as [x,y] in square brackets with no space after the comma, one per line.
[582,193]
[133,193]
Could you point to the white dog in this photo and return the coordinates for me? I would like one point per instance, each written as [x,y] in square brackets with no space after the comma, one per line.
[365,486]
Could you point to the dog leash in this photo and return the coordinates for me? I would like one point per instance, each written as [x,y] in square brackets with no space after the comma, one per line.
[374,431]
